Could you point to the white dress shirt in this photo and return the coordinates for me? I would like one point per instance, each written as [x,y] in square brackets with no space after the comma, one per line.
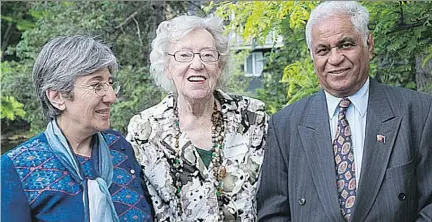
[356,115]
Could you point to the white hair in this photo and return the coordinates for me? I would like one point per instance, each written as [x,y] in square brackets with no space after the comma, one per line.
[358,13]
[172,31]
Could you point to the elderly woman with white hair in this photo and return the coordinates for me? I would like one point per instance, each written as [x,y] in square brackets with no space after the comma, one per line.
[201,148]
[77,169]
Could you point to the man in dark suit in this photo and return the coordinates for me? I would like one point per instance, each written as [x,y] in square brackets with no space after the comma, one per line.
[355,151]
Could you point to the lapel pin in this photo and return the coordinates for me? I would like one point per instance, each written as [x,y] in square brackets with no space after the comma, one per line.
[381,139]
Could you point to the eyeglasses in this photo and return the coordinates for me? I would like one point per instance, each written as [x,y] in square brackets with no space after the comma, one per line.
[187,55]
[101,89]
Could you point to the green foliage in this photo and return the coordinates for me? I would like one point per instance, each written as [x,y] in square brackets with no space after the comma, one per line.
[137,93]
[15,18]
[21,23]
[402,31]
[301,80]
[16,82]
[11,108]
[273,92]
[237,83]
[255,20]
[428,57]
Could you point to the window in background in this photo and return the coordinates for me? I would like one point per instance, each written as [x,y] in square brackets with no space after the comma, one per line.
[254,64]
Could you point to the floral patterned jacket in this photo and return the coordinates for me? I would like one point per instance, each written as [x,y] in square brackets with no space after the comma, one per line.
[151,134]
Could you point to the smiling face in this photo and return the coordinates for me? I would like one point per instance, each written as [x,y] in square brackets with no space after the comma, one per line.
[88,113]
[341,60]
[195,79]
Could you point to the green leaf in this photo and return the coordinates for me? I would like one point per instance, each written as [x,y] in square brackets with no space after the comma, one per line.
[6,18]
[11,108]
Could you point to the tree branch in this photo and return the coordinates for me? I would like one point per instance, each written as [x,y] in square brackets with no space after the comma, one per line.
[5,42]
[401,18]
[403,27]
[138,32]
[128,19]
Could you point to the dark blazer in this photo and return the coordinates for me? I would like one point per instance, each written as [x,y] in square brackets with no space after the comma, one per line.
[298,176]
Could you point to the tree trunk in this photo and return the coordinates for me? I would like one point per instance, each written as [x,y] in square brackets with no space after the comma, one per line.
[424,75]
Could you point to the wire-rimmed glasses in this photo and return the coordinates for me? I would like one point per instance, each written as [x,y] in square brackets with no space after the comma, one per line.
[206,55]
[101,88]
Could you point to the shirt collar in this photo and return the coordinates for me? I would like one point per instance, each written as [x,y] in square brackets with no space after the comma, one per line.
[358,99]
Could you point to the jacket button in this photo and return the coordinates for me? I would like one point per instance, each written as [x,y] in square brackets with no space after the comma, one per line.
[302,201]
[402,196]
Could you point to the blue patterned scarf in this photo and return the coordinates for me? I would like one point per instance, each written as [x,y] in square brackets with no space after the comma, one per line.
[98,205]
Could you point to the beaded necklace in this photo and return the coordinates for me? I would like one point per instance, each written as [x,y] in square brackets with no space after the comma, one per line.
[218,130]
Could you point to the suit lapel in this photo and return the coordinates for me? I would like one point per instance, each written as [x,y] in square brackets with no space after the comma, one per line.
[316,140]
[380,121]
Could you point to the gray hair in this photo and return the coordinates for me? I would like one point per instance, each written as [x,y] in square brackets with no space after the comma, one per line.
[359,17]
[172,31]
[62,60]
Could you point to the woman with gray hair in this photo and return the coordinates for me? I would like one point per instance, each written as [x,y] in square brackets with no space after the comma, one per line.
[201,148]
[78,169]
